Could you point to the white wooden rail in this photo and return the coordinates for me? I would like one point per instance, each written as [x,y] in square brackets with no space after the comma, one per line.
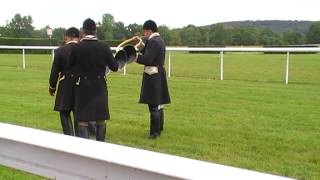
[171,49]
[58,156]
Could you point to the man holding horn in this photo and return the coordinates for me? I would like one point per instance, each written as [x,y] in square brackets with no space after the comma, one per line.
[154,88]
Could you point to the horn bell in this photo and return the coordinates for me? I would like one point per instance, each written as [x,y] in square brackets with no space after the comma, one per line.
[127,51]
[131,53]
[121,58]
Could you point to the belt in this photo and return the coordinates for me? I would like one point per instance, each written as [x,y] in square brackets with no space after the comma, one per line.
[89,77]
[66,76]
[151,70]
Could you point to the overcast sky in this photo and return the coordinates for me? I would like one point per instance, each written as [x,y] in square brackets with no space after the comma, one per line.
[174,14]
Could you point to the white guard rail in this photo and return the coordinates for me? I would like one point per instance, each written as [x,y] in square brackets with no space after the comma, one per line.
[58,156]
[170,49]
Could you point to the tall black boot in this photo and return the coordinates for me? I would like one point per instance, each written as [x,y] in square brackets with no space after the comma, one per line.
[66,123]
[161,119]
[76,127]
[154,121]
[83,130]
[101,131]
[92,128]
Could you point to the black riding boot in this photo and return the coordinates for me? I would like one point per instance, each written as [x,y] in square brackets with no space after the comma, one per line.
[161,119]
[83,130]
[100,131]
[154,121]
[76,127]
[92,128]
[66,123]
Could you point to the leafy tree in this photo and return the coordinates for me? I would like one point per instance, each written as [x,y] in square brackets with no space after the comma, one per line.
[268,37]
[190,35]
[3,31]
[165,33]
[292,37]
[229,33]
[204,38]
[244,36]
[107,26]
[58,33]
[119,31]
[313,34]
[133,30]
[41,33]
[20,26]
[175,39]
[100,33]
[220,35]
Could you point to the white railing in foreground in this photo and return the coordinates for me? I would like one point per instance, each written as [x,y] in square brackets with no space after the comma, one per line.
[171,49]
[58,156]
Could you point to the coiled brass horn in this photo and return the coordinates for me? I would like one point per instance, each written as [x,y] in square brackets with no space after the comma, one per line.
[126,52]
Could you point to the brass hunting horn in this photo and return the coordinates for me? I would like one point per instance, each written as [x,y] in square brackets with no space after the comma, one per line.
[126,52]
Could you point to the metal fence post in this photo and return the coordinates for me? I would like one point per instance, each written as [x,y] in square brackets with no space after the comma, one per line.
[52,52]
[23,59]
[221,65]
[287,68]
[125,69]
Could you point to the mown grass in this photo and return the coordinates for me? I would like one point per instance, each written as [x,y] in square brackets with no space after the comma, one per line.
[250,120]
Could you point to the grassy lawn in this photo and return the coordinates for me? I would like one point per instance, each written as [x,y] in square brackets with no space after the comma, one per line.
[250,120]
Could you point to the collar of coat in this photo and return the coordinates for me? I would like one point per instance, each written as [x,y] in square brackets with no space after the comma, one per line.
[154,35]
[89,37]
[72,42]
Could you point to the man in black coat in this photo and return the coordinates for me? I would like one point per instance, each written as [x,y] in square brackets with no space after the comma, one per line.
[154,88]
[90,58]
[62,71]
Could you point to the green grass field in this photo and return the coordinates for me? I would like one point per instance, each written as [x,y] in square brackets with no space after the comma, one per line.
[250,120]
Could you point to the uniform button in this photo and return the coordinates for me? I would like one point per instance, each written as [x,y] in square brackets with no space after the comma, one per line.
[85,77]
[71,75]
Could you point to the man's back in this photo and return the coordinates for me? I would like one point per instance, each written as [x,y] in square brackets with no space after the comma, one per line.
[91,58]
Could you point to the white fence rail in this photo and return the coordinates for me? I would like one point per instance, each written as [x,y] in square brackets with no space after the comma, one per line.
[58,156]
[174,49]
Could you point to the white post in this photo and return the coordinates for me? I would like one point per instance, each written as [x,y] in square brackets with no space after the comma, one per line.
[221,65]
[23,59]
[52,52]
[125,69]
[287,68]
[169,64]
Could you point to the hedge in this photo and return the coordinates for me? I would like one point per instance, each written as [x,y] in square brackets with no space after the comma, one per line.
[9,41]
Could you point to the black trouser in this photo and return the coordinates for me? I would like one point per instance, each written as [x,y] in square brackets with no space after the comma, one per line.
[66,123]
[154,120]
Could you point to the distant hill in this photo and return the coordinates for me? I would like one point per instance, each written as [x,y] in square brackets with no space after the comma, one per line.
[276,26]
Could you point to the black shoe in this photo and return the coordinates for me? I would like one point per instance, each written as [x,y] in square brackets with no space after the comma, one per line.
[153,136]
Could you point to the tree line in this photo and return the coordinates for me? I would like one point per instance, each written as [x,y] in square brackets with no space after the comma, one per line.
[210,35]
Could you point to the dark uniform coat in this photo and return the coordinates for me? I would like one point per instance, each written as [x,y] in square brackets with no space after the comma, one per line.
[154,88]
[61,71]
[90,58]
